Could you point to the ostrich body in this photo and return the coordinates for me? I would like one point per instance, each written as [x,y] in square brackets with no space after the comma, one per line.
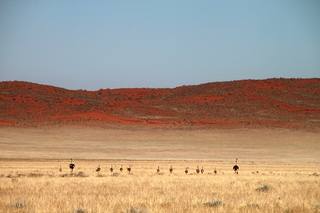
[170,169]
[121,169]
[186,171]
[158,170]
[197,170]
[202,170]
[111,169]
[72,165]
[129,169]
[236,167]
[98,169]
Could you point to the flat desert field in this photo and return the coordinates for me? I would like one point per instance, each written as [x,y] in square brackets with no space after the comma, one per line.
[279,170]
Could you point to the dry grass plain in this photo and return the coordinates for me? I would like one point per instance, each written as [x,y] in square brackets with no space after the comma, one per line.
[288,177]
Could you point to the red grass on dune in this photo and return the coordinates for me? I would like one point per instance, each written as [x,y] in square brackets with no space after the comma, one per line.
[286,103]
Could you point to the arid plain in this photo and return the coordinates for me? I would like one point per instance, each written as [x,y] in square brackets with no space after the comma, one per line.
[279,170]
[271,126]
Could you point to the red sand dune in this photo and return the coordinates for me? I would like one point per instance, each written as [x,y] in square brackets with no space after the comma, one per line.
[285,103]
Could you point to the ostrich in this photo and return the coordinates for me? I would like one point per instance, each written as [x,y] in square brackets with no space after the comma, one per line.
[236,167]
[98,169]
[60,168]
[197,170]
[111,169]
[186,170]
[171,169]
[158,170]
[121,169]
[129,169]
[72,165]
[202,170]
[215,171]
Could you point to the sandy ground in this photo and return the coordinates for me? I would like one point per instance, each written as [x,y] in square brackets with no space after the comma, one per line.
[279,145]
[279,170]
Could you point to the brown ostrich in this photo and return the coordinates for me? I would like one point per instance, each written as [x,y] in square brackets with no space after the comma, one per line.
[111,169]
[71,165]
[121,169]
[186,170]
[236,167]
[158,170]
[202,170]
[98,169]
[197,170]
[171,169]
[129,169]
[215,171]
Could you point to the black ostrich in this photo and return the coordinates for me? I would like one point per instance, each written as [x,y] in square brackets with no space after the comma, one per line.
[158,170]
[72,165]
[98,169]
[129,169]
[197,170]
[171,169]
[186,170]
[121,169]
[202,170]
[236,167]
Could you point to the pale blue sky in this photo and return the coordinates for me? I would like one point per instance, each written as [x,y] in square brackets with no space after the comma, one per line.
[100,44]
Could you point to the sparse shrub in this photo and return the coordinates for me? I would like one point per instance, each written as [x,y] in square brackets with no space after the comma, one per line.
[137,210]
[252,205]
[263,188]
[317,207]
[34,175]
[14,180]
[315,174]
[80,210]
[214,203]
[10,176]
[20,204]
[80,174]
[64,175]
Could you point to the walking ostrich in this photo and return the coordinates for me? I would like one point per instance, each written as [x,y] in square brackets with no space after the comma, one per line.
[197,170]
[72,165]
[158,170]
[60,168]
[98,169]
[186,171]
[236,167]
[171,169]
[111,169]
[202,170]
[129,169]
[121,169]
[215,171]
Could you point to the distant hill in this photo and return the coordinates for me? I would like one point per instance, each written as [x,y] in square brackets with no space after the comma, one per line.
[284,103]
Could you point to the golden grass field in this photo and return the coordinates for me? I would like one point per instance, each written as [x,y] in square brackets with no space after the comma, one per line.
[279,170]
